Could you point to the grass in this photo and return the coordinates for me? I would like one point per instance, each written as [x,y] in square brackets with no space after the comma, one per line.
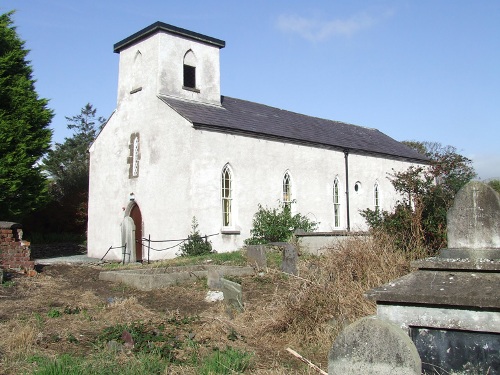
[227,361]
[304,313]
[98,364]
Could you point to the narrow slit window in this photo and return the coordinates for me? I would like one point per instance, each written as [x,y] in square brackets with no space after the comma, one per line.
[135,158]
[227,192]
[287,191]
[376,197]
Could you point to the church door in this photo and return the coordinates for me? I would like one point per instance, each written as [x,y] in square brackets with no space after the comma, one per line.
[135,214]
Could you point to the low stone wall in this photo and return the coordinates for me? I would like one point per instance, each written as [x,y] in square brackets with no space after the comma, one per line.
[316,243]
[15,254]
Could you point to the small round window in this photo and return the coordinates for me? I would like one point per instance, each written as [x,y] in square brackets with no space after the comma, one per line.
[357,187]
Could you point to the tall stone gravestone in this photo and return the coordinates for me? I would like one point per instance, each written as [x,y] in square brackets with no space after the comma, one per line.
[450,306]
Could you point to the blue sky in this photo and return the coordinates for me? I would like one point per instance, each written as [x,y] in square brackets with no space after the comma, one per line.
[426,70]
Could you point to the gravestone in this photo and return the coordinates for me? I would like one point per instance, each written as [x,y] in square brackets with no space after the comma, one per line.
[450,306]
[473,223]
[256,256]
[233,295]
[290,257]
[371,346]
[128,240]
[214,278]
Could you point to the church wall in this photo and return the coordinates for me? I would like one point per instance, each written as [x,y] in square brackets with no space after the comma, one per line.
[179,175]
[258,167]
[161,184]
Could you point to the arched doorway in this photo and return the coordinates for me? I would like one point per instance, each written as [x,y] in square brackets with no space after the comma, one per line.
[135,214]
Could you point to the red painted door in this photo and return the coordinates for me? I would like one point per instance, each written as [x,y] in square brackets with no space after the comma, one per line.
[135,214]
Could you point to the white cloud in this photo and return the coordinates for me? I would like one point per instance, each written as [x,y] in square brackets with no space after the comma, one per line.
[316,30]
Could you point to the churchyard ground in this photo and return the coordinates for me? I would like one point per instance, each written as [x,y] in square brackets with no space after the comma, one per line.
[67,310]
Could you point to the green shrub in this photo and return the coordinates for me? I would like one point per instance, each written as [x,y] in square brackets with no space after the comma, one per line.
[195,243]
[277,225]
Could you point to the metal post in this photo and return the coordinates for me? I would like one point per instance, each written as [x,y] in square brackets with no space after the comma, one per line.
[149,245]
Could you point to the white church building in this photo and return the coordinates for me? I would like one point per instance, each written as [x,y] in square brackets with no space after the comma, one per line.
[175,149]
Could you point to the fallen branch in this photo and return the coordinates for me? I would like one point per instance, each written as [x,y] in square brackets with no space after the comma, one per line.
[306,361]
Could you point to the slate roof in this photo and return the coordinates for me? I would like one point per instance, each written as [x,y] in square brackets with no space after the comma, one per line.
[161,26]
[252,119]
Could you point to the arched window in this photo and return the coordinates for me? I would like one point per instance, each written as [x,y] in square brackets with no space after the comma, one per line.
[287,190]
[137,74]
[376,197]
[227,196]
[189,70]
[336,203]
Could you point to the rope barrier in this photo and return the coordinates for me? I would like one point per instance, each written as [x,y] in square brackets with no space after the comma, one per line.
[111,247]
[147,243]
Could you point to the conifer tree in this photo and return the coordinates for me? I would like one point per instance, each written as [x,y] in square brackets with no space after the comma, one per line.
[24,128]
[67,166]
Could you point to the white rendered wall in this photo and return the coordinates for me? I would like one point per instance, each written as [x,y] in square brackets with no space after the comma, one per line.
[157,62]
[180,167]
[180,177]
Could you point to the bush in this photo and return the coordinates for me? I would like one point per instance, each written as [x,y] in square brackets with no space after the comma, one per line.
[195,243]
[277,225]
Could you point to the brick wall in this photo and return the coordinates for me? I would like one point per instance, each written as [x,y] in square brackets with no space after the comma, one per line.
[15,254]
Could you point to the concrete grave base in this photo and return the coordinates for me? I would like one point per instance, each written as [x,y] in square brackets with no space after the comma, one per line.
[371,346]
[155,278]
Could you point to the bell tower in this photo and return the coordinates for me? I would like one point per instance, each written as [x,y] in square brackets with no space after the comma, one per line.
[162,59]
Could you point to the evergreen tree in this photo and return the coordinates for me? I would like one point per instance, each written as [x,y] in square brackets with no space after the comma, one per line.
[67,165]
[24,128]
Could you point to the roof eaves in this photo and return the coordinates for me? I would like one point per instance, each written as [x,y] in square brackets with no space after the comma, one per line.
[278,138]
[161,26]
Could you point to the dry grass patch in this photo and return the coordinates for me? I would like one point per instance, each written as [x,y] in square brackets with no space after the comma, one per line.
[308,311]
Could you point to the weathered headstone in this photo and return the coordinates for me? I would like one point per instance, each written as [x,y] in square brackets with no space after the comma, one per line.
[213,278]
[128,240]
[232,294]
[371,346]
[290,256]
[256,256]
[473,223]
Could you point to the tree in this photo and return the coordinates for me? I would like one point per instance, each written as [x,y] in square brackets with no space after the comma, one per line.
[419,218]
[195,244]
[24,128]
[67,165]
